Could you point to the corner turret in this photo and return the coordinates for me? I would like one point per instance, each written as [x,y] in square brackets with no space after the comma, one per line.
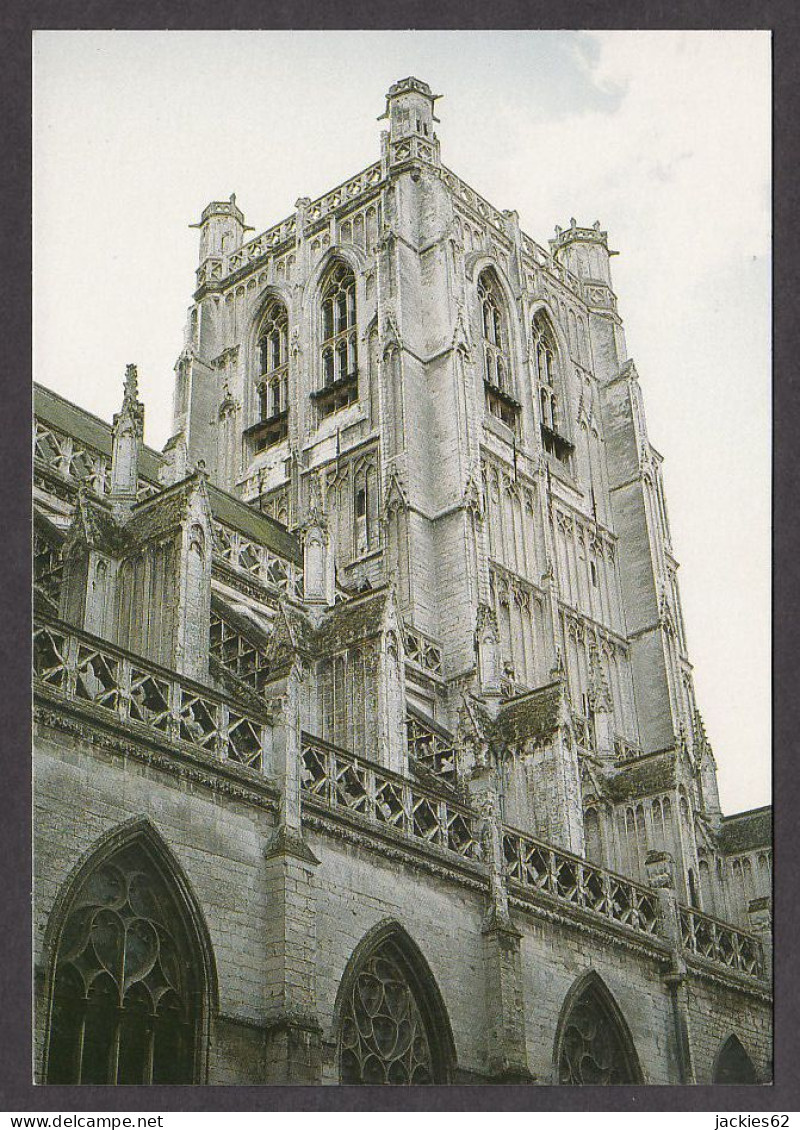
[409,110]
[222,228]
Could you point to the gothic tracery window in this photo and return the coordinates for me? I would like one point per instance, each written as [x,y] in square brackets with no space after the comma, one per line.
[126,985]
[497,376]
[545,359]
[384,1035]
[338,358]
[594,1047]
[273,377]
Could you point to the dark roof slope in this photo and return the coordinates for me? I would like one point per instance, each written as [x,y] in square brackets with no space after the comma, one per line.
[67,417]
[260,527]
[746,831]
[653,773]
[353,620]
[529,717]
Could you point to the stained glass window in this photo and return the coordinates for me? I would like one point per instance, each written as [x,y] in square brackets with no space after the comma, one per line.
[125,989]
[384,1037]
[594,1047]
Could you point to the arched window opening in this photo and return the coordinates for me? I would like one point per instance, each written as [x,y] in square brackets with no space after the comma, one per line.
[497,380]
[339,358]
[734,1064]
[694,895]
[127,983]
[365,510]
[594,1045]
[272,383]
[390,1029]
[548,382]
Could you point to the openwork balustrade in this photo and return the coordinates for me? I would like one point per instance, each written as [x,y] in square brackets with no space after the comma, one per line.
[84,669]
[431,748]
[625,750]
[77,461]
[351,190]
[237,654]
[572,880]
[48,567]
[583,728]
[422,650]
[259,562]
[342,781]
[720,942]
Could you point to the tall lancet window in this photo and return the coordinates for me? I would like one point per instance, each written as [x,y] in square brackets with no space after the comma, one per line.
[127,982]
[497,376]
[338,359]
[549,389]
[393,1025]
[272,382]
[594,1045]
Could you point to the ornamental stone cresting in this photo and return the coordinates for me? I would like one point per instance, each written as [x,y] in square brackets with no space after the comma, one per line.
[366,743]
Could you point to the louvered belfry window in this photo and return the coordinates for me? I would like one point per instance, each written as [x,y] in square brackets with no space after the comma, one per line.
[339,369]
[497,377]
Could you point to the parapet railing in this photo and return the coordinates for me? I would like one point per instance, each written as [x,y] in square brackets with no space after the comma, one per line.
[82,668]
[216,268]
[250,557]
[719,942]
[388,800]
[422,649]
[352,189]
[431,747]
[129,689]
[573,880]
[78,462]
[342,781]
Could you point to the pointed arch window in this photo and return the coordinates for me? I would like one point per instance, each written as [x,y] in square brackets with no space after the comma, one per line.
[733,1064]
[594,1045]
[548,388]
[497,374]
[127,985]
[272,383]
[339,357]
[390,1029]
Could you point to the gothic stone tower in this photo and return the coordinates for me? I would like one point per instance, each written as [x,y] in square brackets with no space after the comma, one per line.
[400,595]
[459,403]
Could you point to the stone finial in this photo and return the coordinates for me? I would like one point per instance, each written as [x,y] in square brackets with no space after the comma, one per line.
[127,434]
[599,690]
[131,387]
[487,639]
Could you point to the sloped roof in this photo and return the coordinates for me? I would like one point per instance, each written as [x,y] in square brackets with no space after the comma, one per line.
[99,525]
[351,621]
[49,530]
[653,773]
[530,716]
[67,417]
[252,631]
[746,831]
[259,527]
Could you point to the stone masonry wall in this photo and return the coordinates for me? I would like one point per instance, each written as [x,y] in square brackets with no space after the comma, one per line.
[83,793]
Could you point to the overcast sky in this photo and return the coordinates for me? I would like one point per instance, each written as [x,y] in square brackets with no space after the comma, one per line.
[664,137]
